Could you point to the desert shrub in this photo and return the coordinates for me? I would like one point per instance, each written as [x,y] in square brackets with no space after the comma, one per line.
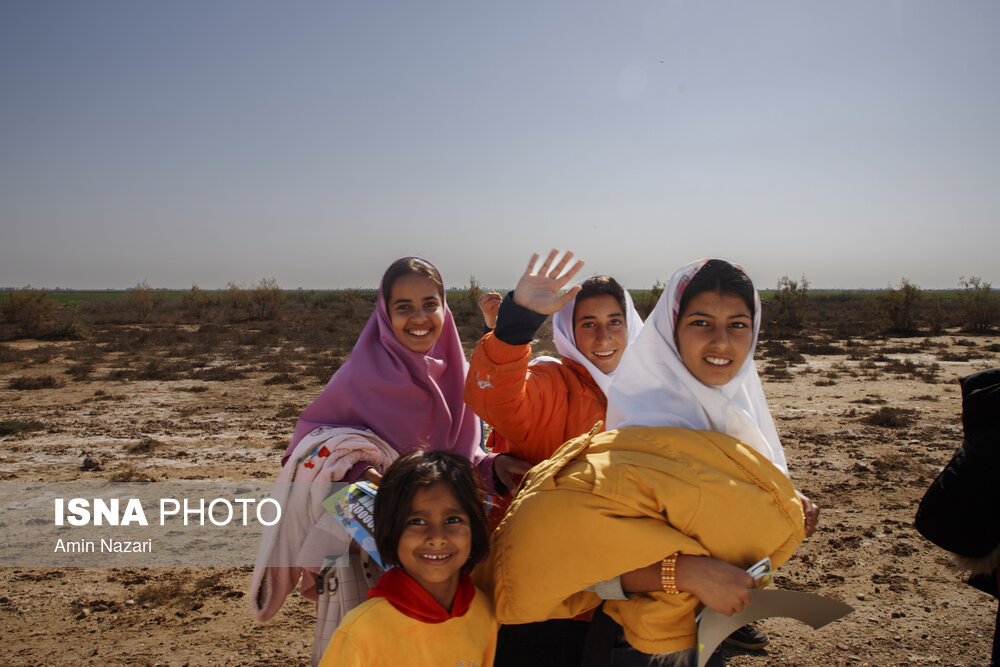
[8,354]
[72,325]
[236,302]
[80,372]
[777,372]
[31,311]
[650,299]
[23,383]
[288,410]
[900,307]
[281,378]
[14,426]
[777,350]
[349,300]
[473,292]
[128,473]
[792,298]
[196,302]
[139,301]
[890,417]
[979,304]
[164,593]
[218,374]
[265,299]
[819,347]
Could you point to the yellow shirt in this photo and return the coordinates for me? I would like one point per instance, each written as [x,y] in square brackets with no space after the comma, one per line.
[376,634]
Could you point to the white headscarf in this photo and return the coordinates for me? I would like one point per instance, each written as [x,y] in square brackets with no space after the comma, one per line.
[565,339]
[652,387]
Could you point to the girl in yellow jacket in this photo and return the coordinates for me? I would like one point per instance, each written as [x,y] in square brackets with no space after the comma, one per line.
[430,525]
[702,496]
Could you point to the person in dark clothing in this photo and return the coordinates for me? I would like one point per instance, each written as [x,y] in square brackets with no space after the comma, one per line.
[960,512]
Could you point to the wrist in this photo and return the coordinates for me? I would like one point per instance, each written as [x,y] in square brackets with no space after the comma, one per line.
[668,574]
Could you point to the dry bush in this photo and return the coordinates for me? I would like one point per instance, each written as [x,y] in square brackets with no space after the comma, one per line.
[139,301]
[979,304]
[218,374]
[281,378]
[792,299]
[349,300]
[9,354]
[80,372]
[777,372]
[164,593]
[24,383]
[900,307]
[779,351]
[144,446]
[31,311]
[128,473]
[264,301]
[288,410]
[15,426]
[891,417]
[197,303]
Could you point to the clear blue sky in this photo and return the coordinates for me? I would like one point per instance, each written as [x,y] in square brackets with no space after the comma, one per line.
[185,141]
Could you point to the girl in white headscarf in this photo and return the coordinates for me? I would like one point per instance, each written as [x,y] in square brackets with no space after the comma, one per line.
[693,366]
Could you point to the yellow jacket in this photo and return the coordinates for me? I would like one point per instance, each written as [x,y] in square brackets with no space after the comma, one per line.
[376,633]
[613,502]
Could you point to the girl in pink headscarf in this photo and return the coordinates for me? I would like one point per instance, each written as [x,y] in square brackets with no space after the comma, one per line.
[400,390]
[405,377]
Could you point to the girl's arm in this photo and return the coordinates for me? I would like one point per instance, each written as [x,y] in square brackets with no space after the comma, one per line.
[718,585]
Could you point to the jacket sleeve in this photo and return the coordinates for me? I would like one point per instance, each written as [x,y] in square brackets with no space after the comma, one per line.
[525,403]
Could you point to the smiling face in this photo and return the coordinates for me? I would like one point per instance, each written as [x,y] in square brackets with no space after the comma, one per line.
[436,541]
[600,331]
[714,335]
[416,312]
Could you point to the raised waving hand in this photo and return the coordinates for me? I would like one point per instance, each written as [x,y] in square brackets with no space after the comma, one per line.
[540,291]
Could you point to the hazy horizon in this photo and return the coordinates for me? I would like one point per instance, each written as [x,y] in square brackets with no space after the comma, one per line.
[205,143]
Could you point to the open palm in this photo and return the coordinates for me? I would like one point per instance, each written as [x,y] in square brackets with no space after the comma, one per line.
[540,291]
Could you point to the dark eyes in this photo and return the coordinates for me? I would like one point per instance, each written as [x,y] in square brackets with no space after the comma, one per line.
[417,521]
[614,323]
[706,323]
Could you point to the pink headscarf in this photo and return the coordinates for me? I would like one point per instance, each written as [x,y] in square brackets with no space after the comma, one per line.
[406,398]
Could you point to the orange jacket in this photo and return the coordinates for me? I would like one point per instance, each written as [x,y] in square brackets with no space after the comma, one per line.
[536,407]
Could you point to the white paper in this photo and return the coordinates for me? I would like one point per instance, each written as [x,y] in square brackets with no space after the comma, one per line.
[814,610]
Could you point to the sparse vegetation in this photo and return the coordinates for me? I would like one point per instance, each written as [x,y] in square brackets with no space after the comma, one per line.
[25,383]
[31,311]
[792,298]
[900,306]
[15,426]
[891,417]
[979,304]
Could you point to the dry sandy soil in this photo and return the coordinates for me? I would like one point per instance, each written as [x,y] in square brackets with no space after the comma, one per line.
[910,608]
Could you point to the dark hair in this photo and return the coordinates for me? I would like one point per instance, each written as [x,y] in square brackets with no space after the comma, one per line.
[418,470]
[718,275]
[598,286]
[406,266]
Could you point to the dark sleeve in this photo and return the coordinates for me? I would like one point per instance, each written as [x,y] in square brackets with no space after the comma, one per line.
[517,325]
[959,512]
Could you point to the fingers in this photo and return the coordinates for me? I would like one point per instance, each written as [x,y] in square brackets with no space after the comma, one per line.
[544,268]
[572,272]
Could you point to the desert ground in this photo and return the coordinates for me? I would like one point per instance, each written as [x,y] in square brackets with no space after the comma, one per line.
[867,421]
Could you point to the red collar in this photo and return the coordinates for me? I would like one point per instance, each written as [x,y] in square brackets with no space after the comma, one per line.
[410,598]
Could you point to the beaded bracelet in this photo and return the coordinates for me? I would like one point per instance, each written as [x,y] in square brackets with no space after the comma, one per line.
[668,574]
